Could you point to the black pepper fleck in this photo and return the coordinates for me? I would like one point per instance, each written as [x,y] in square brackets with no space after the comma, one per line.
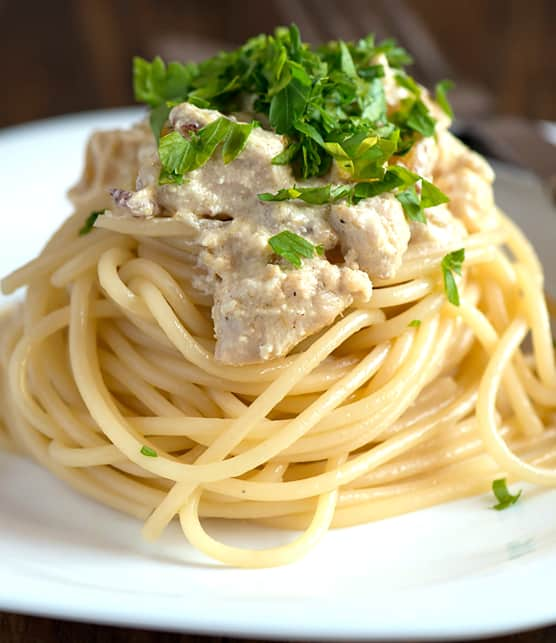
[189,128]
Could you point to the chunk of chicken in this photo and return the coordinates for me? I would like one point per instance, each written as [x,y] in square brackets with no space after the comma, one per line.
[260,317]
[422,158]
[467,179]
[373,234]
[453,155]
[217,188]
[471,198]
[442,229]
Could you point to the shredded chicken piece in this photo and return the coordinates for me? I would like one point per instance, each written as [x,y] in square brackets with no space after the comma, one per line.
[422,158]
[374,234]
[467,179]
[264,316]
[441,230]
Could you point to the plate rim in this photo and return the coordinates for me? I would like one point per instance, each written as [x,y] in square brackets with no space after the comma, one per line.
[80,609]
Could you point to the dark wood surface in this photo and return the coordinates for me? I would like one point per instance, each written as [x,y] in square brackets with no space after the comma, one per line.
[66,56]
[31,629]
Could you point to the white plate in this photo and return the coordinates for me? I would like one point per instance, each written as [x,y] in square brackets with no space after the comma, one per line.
[459,570]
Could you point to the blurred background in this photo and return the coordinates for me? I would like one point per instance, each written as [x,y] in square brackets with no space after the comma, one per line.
[65,56]
[70,55]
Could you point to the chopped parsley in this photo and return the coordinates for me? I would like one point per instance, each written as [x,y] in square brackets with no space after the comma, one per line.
[441,89]
[179,155]
[395,178]
[504,497]
[451,263]
[411,204]
[316,196]
[148,451]
[415,323]
[90,222]
[414,204]
[292,247]
[328,103]
[419,119]
[431,195]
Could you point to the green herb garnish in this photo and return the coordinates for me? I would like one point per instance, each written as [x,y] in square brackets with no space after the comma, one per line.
[150,453]
[90,222]
[179,155]
[504,497]
[315,196]
[414,204]
[431,195]
[292,247]
[395,178]
[451,263]
[415,323]
[441,89]
[328,103]
[419,119]
[411,205]
[413,118]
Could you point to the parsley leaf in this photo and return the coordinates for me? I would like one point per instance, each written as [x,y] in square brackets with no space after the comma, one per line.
[504,497]
[148,451]
[370,189]
[236,140]
[158,118]
[403,80]
[396,177]
[287,155]
[415,323]
[451,263]
[179,155]
[292,247]
[154,83]
[411,205]
[414,115]
[420,120]
[440,94]
[396,56]
[314,195]
[363,153]
[90,222]
[431,195]
[371,72]
[414,204]
[290,102]
[373,102]
[346,61]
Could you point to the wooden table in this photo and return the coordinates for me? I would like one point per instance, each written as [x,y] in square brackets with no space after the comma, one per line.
[27,629]
[63,57]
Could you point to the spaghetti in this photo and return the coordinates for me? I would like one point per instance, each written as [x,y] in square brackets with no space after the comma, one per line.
[109,380]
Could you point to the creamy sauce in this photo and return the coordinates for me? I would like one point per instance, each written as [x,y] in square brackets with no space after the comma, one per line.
[262,306]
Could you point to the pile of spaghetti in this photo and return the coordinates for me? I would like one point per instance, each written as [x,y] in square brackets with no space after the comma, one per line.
[421,394]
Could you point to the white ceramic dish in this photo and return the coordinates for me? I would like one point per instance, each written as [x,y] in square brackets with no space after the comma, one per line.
[455,571]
